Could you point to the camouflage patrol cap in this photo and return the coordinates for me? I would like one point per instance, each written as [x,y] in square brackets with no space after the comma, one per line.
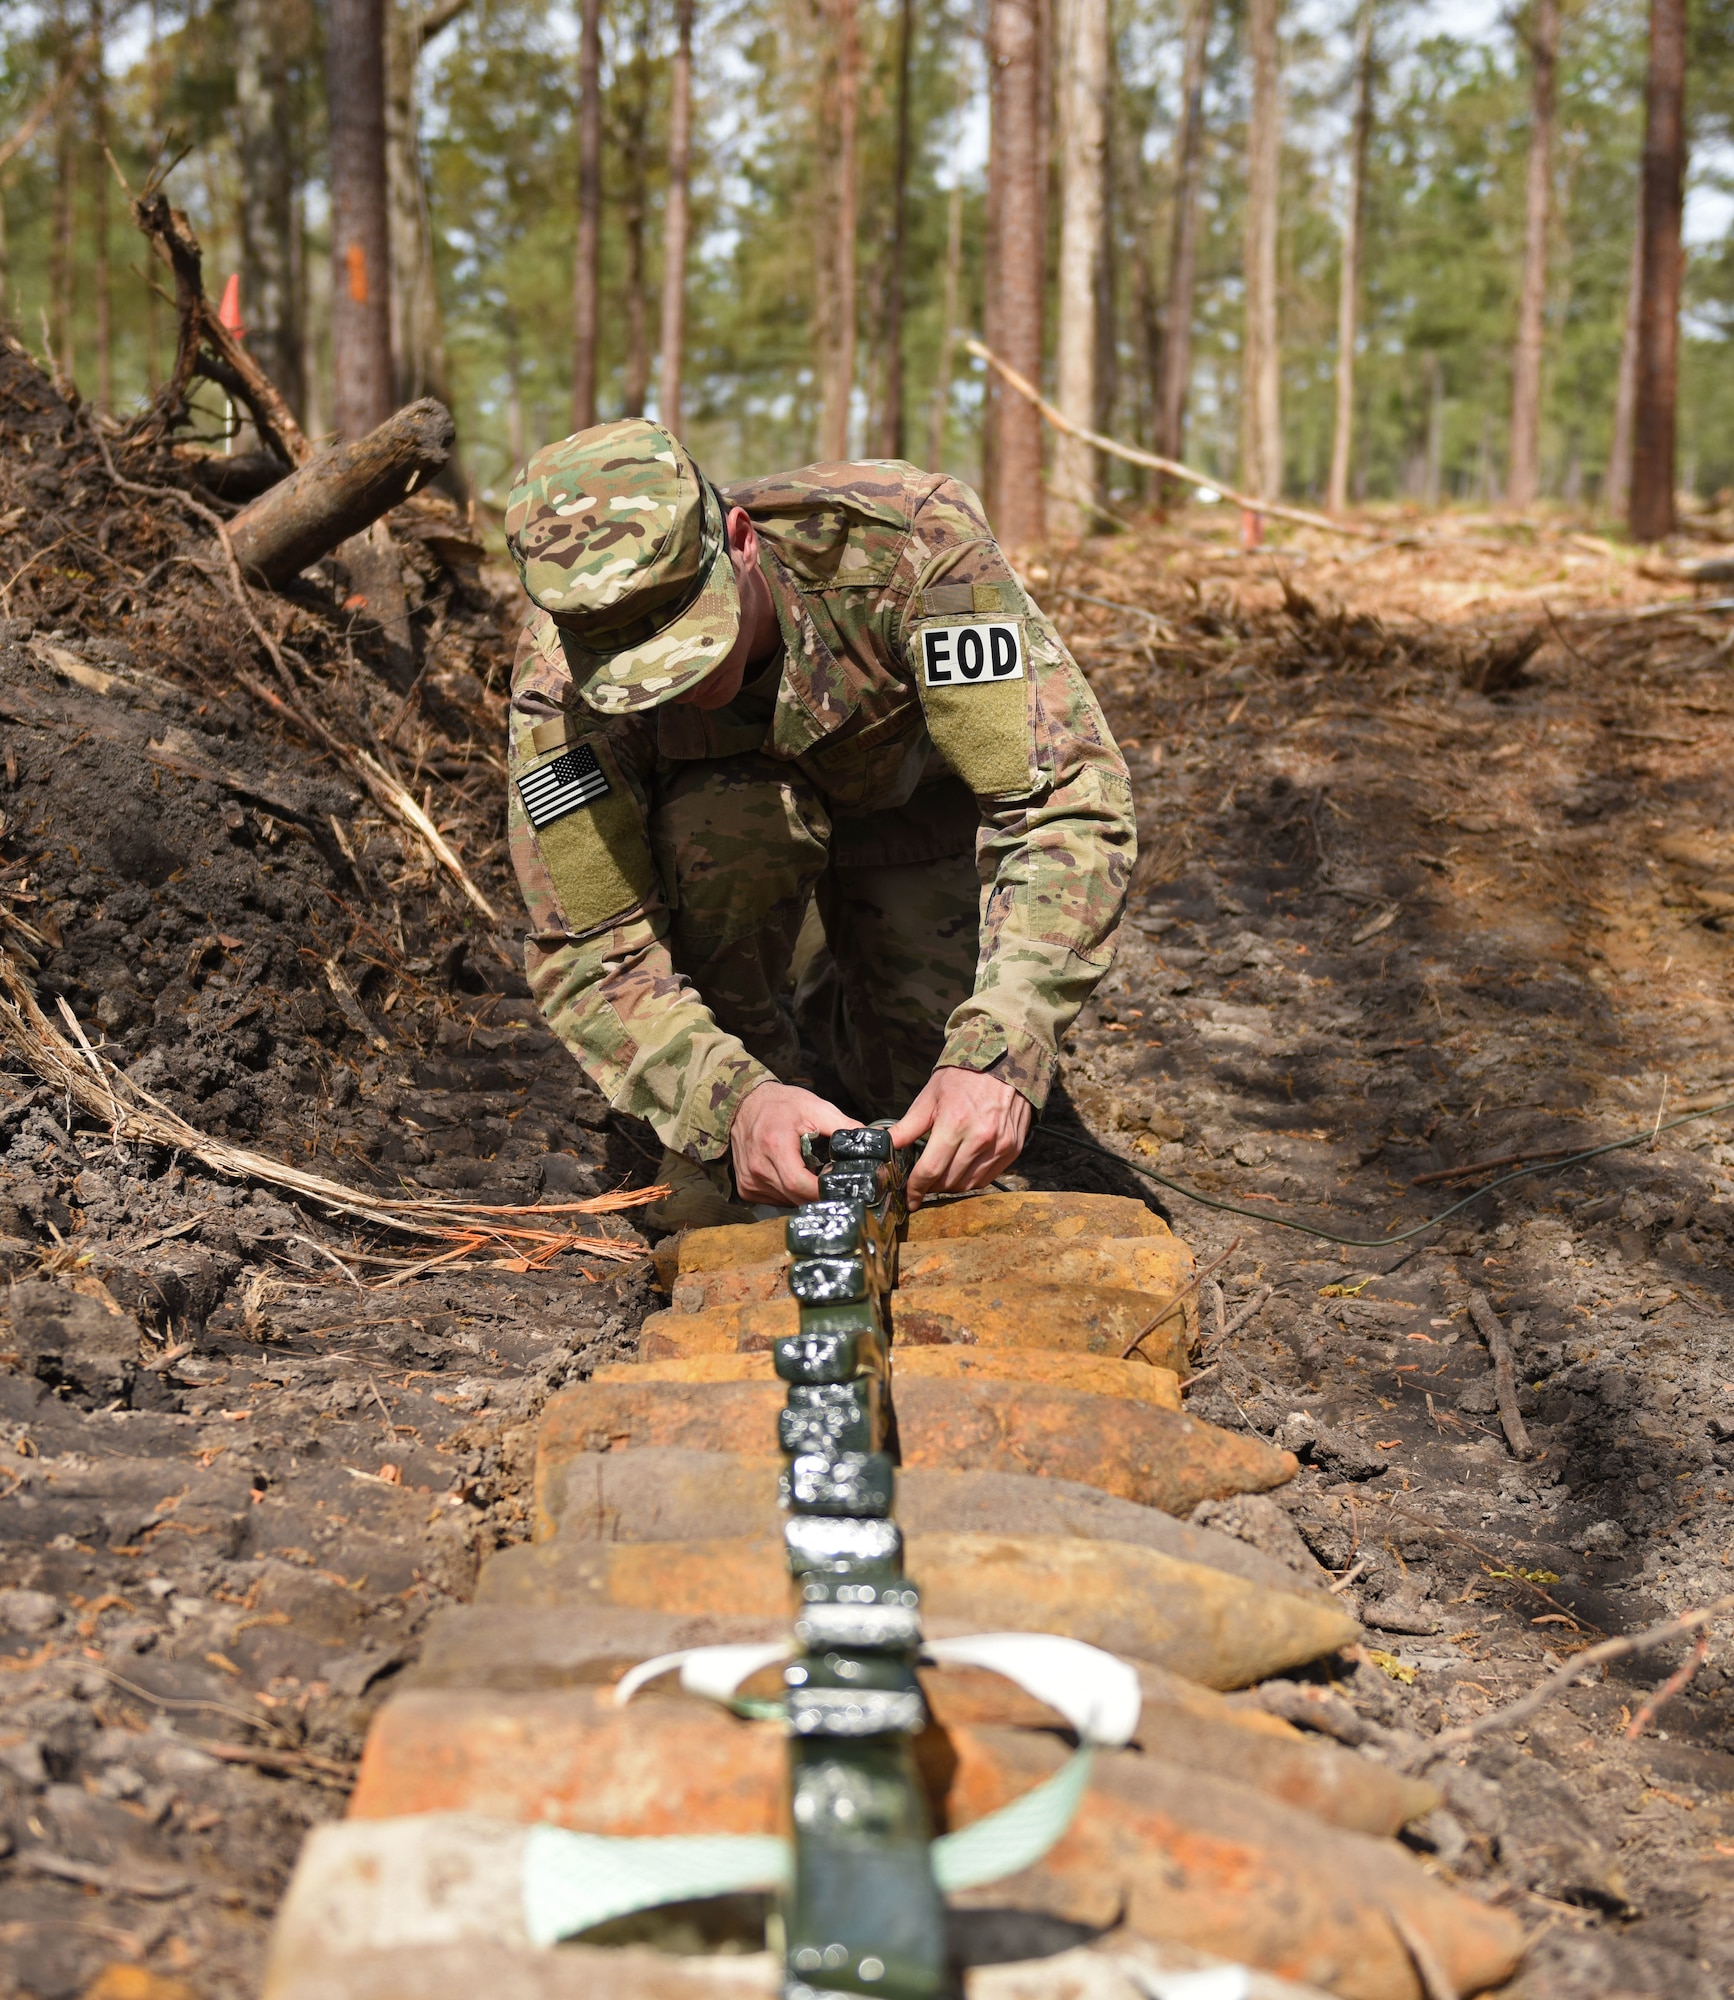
[619,538]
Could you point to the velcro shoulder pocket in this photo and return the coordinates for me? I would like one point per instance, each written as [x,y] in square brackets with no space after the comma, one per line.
[973,677]
[587,827]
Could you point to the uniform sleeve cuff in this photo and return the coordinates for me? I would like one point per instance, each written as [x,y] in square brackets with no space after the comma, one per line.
[1013,1056]
[706,1117]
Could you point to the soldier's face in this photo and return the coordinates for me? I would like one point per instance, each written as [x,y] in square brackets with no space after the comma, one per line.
[758,635]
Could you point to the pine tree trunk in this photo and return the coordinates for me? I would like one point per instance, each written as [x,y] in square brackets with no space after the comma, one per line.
[891,415]
[1349,278]
[1261,381]
[1017,268]
[635,141]
[1176,364]
[362,388]
[264,118]
[418,342]
[1651,514]
[839,105]
[1523,483]
[1083,84]
[674,224]
[949,289]
[62,243]
[99,215]
[587,262]
[1617,481]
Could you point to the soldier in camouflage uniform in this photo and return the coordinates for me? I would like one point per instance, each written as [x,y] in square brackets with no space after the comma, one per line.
[800,757]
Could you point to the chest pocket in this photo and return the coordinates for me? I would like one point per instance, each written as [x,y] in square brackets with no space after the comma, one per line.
[973,677]
[586,825]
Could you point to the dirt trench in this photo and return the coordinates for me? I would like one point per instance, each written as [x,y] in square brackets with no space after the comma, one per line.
[1384,925]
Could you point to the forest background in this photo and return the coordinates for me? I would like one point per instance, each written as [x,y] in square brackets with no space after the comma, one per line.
[848,177]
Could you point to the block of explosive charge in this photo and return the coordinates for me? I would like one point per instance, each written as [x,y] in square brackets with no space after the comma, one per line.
[1214,1628]
[860,1483]
[868,1610]
[1181,1856]
[840,1229]
[820,1545]
[1157,1457]
[834,1691]
[1018,1314]
[832,1344]
[1100,1374]
[832,1417]
[829,1281]
[863,1914]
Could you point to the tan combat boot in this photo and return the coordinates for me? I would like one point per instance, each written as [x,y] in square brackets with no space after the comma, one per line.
[698,1197]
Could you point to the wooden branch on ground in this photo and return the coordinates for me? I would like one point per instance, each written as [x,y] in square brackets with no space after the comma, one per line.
[1504,1372]
[1171,466]
[77,1072]
[337,493]
[170,235]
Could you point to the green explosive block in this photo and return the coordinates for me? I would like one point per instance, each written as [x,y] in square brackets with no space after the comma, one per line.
[853,1482]
[864,1914]
[832,1417]
[821,1545]
[830,1281]
[865,1610]
[843,1692]
[827,1352]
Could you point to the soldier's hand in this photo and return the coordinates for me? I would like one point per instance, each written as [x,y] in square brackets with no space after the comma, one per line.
[765,1142]
[975,1126]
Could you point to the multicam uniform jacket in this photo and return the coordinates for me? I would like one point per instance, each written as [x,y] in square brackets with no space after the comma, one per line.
[910,651]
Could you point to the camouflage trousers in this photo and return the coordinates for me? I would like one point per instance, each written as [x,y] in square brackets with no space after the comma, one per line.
[858,936]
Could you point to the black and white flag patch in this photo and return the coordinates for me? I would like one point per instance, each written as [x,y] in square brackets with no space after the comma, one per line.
[972,655]
[553,790]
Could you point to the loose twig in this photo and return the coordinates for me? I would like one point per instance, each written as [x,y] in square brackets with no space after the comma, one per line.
[1171,466]
[1654,1703]
[1435,1980]
[1504,1373]
[1574,1670]
[1179,1298]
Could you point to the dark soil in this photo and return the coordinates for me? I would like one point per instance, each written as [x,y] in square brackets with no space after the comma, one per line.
[1383,925]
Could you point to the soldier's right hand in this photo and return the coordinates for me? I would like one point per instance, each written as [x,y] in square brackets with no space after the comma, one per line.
[765,1142]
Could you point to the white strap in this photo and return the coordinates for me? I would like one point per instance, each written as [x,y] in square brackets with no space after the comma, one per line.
[713,1671]
[1096,1693]
[573,1881]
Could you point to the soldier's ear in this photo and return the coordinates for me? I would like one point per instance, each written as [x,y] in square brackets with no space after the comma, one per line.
[743,537]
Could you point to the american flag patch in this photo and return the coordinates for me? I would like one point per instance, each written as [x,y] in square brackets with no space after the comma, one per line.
[553,790]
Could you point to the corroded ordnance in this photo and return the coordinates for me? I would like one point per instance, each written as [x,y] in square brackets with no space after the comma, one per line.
[1157,1457]
[1100,1374]
[1212,1627]
[1013,1313]
[1181,1856]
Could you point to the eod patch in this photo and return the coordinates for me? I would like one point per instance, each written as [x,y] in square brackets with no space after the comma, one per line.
[974,655]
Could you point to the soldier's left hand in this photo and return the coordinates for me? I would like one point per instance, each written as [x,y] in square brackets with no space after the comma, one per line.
[974,1125]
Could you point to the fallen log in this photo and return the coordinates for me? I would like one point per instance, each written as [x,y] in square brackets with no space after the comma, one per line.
[346,488]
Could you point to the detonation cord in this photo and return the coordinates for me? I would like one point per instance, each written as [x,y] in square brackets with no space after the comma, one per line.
[1643,1138]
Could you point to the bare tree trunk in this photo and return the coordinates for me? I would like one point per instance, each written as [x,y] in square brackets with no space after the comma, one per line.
[62,245]
[635,143]
[154,102]
[99,214]
[362,389]
[1017,269]
[992,392]
[1349,278]
[1617,481]
[670,386]
[948,298]
[1261,381]
[838,106]
[264,117]
[1176,364]
[1652,504]
[418,339]
[1083,86]
[891,417]
[516,443]
[1433,475]
[1523,482]
[587,263]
